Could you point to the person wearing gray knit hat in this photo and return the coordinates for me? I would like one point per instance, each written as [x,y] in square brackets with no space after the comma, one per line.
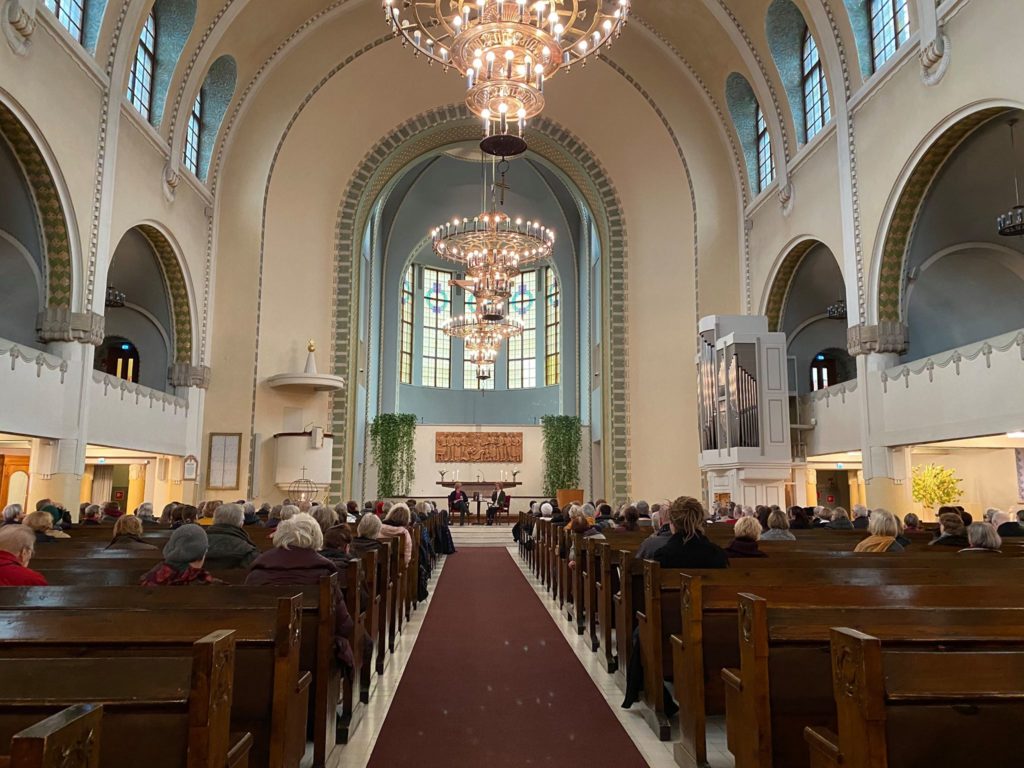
[184,555]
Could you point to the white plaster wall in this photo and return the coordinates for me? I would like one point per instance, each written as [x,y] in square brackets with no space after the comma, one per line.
[988,477]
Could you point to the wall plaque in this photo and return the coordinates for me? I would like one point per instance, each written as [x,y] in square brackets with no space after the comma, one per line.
[478,447]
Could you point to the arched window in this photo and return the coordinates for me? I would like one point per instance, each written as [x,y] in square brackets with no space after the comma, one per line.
[207,114]
[140,80]
[437,345]
[470,379]
[522,349]
[890,28]
[817,109]
[118,357]
[765,161]
[405,338]
[71,15]
[194,134]
[552,329]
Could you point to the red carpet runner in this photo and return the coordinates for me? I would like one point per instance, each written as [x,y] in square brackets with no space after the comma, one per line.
[492,682]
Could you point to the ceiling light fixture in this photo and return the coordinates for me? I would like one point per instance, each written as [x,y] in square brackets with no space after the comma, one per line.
[1011,223]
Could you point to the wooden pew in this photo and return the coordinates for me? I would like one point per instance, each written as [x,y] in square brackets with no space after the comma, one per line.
[181,704]
[708,639]
[784,682]
[70,738]
[270,694]
[600,583]
[883,696]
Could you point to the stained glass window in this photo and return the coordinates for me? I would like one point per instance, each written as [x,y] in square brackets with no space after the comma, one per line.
[70,13]
[552,329]
[405,354]
[140,80]
[765,161]
[522,349]
[890,28]
[469,370]
[817,109]
[193,134]
[437,345]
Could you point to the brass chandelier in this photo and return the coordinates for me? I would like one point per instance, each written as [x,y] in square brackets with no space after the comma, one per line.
[506,50]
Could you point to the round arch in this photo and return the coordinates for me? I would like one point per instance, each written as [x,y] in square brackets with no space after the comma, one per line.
[905,202]
[775,298]
[565,153]
[177,289]
[53,206]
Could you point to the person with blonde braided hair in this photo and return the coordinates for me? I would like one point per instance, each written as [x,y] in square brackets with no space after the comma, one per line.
[689,547]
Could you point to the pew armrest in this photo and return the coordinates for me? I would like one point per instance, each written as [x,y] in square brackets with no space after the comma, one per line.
[732,679]
[823,746]
[238,754]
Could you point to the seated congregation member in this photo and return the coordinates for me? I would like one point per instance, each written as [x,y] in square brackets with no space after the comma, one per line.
[821,518]
[167,515]
[604,514]
[585,529]
[294,561]
[911,523]
[952,532]
[90,515]
[778,527]
[840,520]
[128,534]
[860,517]
[395,526]
[184,558]
[248,514]
[885,530]
[653,543]
[798,520]
[367,537]
[145,514]
[1012,528]
[630,521]
[983,538]
[688,547]
[42,524]
[17,545]
[746,532]
[230,545]
[497,504]
[558,516]
[13,514]
[326,516]
[644,510]
[111,511]
[761,512]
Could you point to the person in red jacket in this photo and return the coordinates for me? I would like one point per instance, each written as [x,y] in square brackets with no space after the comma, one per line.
[17,545]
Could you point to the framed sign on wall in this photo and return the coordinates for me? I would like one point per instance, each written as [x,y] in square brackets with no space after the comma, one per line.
[190,469]
[222,466]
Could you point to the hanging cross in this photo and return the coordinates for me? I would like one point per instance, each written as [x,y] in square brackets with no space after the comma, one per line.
[502,185]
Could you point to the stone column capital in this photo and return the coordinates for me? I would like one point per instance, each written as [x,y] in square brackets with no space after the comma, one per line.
[889,336]
[187,375]
[61,324]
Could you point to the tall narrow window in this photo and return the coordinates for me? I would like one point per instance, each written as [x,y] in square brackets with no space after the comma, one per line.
[470,380]
[552,329]
[194,134]
[522,349]
[765,161]
[890,28]
[140,80]
[817,109]
[405,354]
[437,345]
[71,15]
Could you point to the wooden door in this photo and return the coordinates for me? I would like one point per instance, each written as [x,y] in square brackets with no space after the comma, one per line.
[10,465]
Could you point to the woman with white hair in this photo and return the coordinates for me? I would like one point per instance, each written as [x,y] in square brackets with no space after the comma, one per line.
[746,533]
[295,561]
[13,514]
[983,538]
[395,525]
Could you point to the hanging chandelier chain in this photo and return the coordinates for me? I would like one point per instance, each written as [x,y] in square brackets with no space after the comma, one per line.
[1016,164]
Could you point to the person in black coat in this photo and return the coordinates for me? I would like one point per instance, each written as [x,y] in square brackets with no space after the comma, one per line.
[688,548]
[497,503]
[1011,528]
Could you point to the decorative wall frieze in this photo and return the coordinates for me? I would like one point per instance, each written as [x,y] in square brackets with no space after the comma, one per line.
[61,324]
[887,337]
[827,394]
[185,375]
[19,22]
[954,358]
[41,360]
[142,395]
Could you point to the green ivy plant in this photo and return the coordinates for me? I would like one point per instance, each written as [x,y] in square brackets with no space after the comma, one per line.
[563,436]
[392,440]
